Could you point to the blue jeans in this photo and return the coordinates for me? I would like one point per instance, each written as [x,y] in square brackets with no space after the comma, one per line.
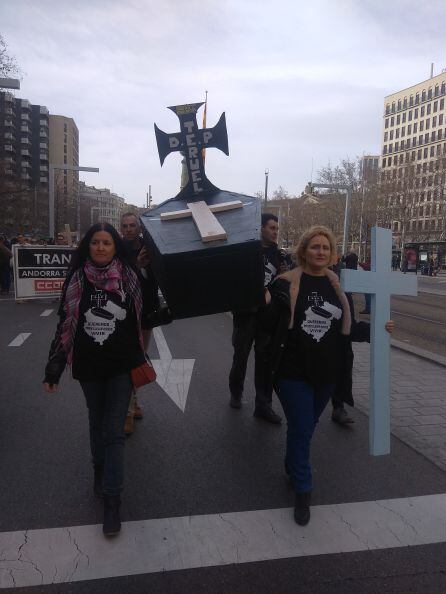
[302,404]
[107,403]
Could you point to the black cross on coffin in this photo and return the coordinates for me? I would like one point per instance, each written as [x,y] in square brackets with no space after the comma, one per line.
[191,141]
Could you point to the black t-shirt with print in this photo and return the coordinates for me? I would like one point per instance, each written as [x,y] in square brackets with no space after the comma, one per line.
[312,350]
[271,263]
[106,342]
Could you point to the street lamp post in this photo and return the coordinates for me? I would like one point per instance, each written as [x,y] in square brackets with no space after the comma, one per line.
[348,198]
[266,185]
[9,83]
[52,169]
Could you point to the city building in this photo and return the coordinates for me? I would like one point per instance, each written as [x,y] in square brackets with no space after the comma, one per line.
[413,161]
[64,150]
[370,168]
[99,204]
[24,160]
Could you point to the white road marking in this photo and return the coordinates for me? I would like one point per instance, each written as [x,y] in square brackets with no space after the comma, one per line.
[59,555]
[46,313]
[20,339]
[172,375]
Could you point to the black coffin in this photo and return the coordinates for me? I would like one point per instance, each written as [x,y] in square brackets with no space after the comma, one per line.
[199,278]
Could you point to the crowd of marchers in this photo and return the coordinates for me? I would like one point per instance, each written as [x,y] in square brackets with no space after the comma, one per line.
[302,336]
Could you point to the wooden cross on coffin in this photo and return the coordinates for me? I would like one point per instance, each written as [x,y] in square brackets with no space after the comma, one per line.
[381,283]
[191,141]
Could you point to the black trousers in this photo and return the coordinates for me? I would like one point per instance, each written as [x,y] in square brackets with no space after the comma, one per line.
[246,331]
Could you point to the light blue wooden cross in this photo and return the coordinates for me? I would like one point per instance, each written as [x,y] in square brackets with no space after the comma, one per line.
[381,283]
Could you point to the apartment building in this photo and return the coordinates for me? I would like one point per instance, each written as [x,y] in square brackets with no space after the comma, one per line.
[64,150]
[99,205]
[24,160]
[413,160]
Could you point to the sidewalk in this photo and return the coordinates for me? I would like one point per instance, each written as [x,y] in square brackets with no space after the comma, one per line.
[418,400]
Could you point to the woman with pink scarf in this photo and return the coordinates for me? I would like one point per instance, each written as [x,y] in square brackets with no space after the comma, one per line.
[99,335]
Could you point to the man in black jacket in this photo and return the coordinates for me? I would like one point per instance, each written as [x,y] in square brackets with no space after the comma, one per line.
[248,330]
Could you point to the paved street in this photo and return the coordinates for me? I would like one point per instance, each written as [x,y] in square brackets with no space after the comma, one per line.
[206,504]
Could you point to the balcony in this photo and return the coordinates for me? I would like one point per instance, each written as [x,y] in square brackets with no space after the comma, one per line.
[25,117]
[44,156]
[9,148]
[44,123]
[8,123]
[24,129]
[8,111]
[43,134]
[43,145]
[25,153]
[25,104]
[26,164]
[25,176]
[44,110]
[43,168]
[25,140]
[43,180]
[9,136]
[9,98]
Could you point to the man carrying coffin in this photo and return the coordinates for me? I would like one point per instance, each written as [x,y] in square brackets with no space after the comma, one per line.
[248,329]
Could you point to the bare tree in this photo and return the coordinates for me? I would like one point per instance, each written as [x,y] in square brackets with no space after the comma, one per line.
[8,63]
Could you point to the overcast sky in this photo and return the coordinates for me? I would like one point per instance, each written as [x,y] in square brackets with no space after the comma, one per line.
[300,82]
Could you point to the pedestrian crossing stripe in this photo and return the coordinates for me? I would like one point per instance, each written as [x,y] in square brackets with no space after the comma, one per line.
[79,553]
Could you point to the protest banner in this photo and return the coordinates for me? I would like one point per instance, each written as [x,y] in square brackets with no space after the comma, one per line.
[40,271]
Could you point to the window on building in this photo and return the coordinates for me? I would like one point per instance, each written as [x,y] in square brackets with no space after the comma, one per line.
[386,135]
[415,128]
[426,137]
[403,131]
[443,88]
[387,108]
[428,123]
[410,116]
[439,134]
[385,149]
[65,129]
[432,151]
[391,135]
[414,141]
[386,124]
[429,94]
[434,121]
[409,129]
[411,101]
[438,153]
[398,119]
[441,103]
[419,152]
[393,107]
[423,95]
[440,119]
[437,90]
[422,110]
[384,162]
[399,104]
[403,117]
[425,152]
[390,148]
[435,106]
[428,110]
[433,136]
[417,98]
[421,126]
[396,146]
[392,121]
[397,133]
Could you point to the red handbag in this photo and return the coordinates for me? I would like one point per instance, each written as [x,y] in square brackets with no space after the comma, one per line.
[143,374]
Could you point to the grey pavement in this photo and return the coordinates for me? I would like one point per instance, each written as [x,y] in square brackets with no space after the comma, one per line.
[418,400]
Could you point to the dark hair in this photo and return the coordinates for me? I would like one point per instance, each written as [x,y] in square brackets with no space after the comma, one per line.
[82,252]
[268,216]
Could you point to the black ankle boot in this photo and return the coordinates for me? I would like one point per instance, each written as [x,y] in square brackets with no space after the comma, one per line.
[112,520]
[98,476]
[302,508]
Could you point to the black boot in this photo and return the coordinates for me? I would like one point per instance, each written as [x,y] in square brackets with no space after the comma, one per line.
[302,508]
[98,476]
[112,520]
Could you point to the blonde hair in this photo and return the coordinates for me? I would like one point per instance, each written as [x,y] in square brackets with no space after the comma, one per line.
[308,236]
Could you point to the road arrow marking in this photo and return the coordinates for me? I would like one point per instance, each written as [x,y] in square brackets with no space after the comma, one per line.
[172,375]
